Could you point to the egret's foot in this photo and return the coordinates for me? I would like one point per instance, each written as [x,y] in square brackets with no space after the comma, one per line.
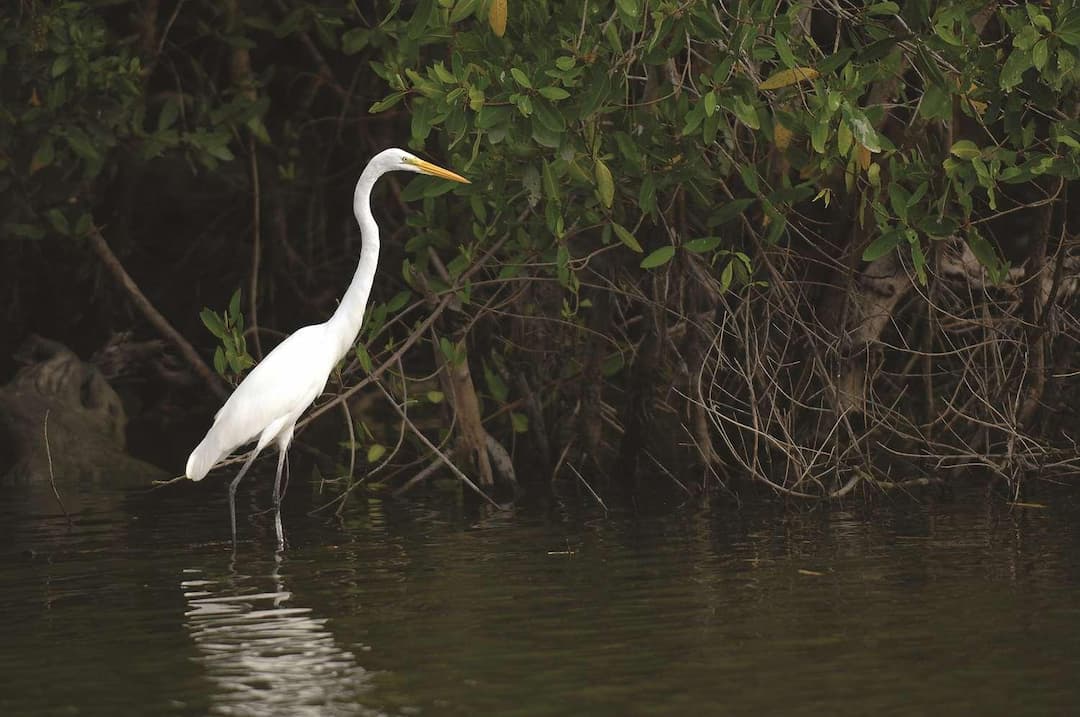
[279,529]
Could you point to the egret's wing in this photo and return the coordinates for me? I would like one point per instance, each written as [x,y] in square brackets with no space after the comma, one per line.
[285,382]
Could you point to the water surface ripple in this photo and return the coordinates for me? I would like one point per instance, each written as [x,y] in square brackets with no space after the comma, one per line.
[896,607]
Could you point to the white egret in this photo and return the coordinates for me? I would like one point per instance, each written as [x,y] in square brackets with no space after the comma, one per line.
[267,403]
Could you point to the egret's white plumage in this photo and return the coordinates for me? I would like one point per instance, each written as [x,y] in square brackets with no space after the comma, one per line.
[270,399]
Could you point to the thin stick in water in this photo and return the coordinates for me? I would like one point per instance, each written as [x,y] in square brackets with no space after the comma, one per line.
[52,476]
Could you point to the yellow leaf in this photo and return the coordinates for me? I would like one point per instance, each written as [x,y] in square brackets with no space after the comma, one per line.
[862,157]
[781,136]
[783,78]
[497,17]
[35,101]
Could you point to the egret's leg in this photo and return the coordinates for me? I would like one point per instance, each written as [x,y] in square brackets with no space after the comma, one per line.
[277,498]
[288,474]
[232,491]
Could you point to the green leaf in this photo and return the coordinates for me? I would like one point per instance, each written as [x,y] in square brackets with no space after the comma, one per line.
[234,304]
[81,145]
[783,49]
[547,179]
[647,194]
[386,103]
[1037,17]
[936,103]
[61,65]
[919,261]
[444,75]
[882,245]
[83,225]
[424,187]
[355,40]
[519,422]
[44,155]
[861,128]
[1069,29]
[749,175]
[709,103]
[462,10]
[1026,38]
[549,117]
[1012,72]
[934,227]
[746,113]
[435,396]
[363,358]
[219,151]
[562,264]
[898,197]
[630,7]
[605,185]
[375,451]
[220,364]
[234,361]
[833,62]
[213,322]
[520,78]
[58,220]
[421,18]
[729,211]
[554,93]
[1066,60]
[449,352]
[843,138]
[726,274]
[170,110]
[777,224]
[397,303]
[496,386]
[983,251]
[964,149]
[626,237]
[702,244]
[883,8]
[693,119]
[1039,54]
[819,135]
[658,258]
[613,364]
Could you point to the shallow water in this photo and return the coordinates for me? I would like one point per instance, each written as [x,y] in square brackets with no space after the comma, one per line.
[900,607]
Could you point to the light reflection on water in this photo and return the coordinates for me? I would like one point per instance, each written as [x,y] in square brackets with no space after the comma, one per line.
[265,654]
[965,606]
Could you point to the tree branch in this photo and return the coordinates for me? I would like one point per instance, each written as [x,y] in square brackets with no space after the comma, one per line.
[159,322]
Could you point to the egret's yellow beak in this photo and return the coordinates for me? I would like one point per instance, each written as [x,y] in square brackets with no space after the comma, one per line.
[436,171]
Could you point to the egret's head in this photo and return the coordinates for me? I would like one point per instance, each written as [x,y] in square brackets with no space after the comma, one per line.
[402,161]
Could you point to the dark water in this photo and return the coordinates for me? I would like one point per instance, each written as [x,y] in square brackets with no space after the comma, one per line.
[967,606]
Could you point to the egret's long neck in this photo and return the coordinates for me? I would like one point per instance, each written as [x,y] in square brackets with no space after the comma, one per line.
[345,324]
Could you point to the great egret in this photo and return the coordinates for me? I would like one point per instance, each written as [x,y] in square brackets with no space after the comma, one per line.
[270,399]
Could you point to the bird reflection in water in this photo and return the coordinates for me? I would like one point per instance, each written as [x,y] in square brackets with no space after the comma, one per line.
[266,655]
